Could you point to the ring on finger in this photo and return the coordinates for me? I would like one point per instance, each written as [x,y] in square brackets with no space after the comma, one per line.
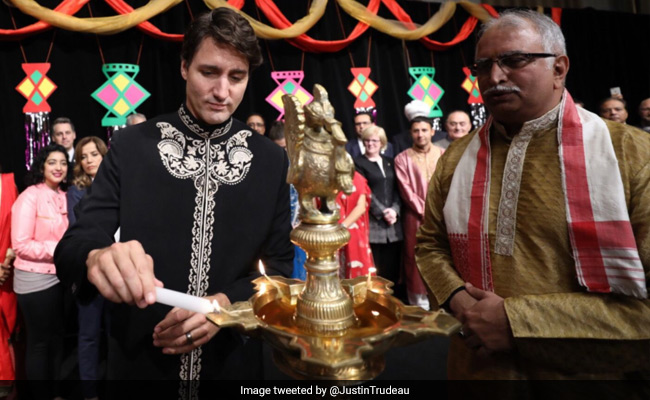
[189,338]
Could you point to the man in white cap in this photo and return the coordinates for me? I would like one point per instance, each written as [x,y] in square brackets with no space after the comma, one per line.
[414,109]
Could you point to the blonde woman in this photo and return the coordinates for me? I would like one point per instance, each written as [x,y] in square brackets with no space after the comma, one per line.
[385,225]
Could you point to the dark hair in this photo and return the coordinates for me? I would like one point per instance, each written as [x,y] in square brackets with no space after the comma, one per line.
[81,178]
[224,26]
[36,172]
[255,114]
[420,119]
[368,113]
[63,120]
[277,131]
[605,100]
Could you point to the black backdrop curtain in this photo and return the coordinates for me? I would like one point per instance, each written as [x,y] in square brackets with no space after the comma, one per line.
[606,49]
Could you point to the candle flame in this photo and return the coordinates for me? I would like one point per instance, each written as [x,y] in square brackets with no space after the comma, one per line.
[372,270]
[216,306]
[261,268]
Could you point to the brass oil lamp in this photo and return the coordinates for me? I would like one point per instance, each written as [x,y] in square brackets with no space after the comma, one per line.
[324,327]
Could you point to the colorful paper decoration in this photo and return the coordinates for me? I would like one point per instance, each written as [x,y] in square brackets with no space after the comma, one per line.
[363,88]
[470,84]
[475,100]
[36,87]
[426,89]
[288,83]
[120,94]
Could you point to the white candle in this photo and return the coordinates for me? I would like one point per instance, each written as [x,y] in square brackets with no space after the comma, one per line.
[183,300]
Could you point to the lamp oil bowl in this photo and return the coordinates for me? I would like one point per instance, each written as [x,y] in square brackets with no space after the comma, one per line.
[380,322]
[324,327]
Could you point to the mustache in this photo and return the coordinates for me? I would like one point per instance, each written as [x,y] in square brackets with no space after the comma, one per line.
[500,89]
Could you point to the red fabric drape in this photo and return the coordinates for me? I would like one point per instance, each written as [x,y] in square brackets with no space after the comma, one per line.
[147,27]
[556,15]
[306,43]
[66,6]
[467,28]
[277,19]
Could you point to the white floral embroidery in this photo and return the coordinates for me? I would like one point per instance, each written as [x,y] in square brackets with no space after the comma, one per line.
[507,216]
[187,158]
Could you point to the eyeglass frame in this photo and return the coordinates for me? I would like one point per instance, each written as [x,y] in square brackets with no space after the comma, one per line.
[499,60]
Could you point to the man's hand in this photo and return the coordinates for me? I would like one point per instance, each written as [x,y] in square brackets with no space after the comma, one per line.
[486,322]
[461,302]
[5,271]
[123,272]
[5,267]
[182,331]
[390,216]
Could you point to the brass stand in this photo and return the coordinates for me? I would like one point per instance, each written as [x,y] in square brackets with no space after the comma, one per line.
[325,328]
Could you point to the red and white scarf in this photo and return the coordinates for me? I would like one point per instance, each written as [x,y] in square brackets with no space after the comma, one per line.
[602,240]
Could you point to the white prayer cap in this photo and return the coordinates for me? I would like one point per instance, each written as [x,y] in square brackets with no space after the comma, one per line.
[416,108]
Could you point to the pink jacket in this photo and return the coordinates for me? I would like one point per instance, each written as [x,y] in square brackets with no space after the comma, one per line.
[38,221]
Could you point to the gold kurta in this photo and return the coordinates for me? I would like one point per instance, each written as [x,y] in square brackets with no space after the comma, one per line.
[560,330]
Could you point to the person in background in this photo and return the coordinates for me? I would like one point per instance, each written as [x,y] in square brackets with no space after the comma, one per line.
[414,168]
[8,194]
[135,118]
[644,115]
[355,257]
[457,125]
[356,146]
[64,134]
[38,221]
[403,140]
[89,153]
[385,226]
[276,134]
[613,109]
[256,122]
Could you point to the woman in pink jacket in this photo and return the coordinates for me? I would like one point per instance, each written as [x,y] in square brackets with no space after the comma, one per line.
[39,219]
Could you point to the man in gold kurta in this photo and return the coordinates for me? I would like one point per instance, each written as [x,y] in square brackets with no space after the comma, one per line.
[534,320]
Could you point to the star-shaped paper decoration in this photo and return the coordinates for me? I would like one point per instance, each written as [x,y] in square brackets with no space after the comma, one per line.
[470,84]
[36,87]
[362,87]
[426,89]
[288,83]
[120,94]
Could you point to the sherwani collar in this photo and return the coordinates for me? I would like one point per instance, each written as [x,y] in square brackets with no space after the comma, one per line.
[200,128]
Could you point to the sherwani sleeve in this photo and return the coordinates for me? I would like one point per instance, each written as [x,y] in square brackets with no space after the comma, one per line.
[405,179]
[432,252]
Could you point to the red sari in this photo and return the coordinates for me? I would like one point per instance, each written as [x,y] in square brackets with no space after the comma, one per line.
[356,256]
[7,295]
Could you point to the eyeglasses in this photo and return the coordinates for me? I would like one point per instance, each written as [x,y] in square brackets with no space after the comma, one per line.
[506,62]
